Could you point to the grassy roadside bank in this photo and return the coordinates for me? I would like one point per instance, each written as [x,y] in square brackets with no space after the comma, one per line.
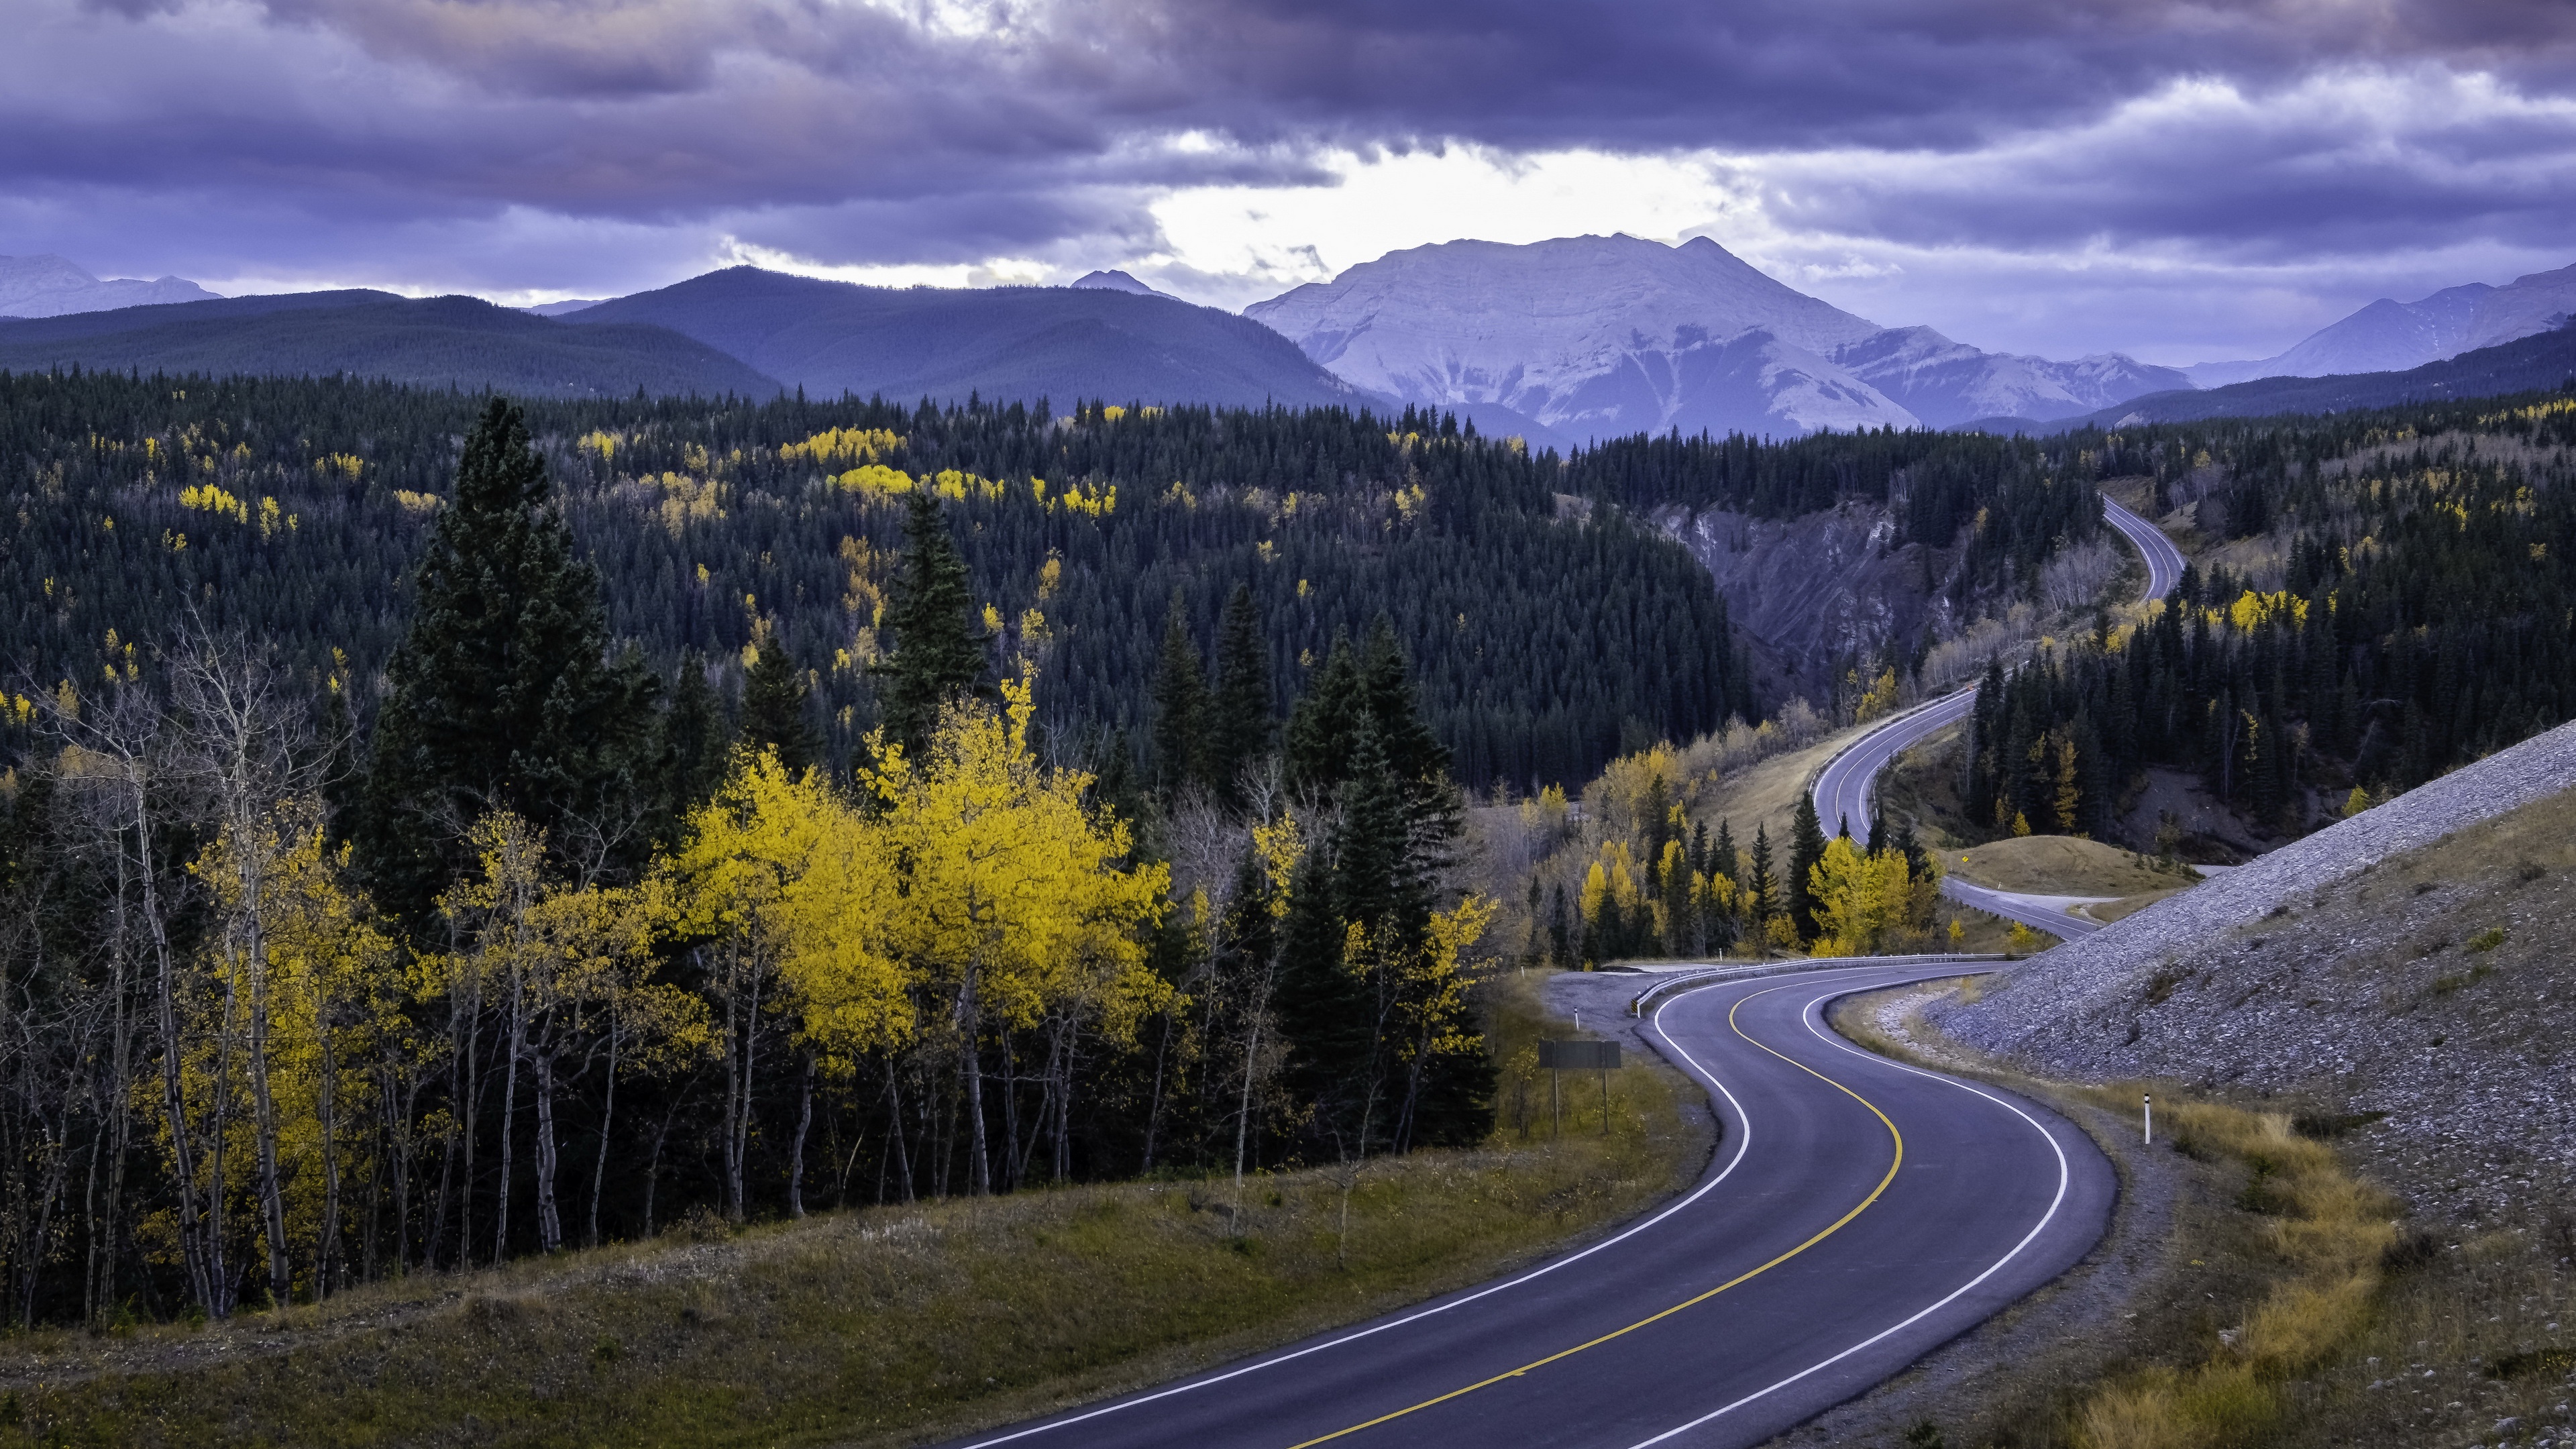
[877,1326]
[2285,1304]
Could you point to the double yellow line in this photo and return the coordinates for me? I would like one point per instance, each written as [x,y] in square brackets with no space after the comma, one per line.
[1874,1194]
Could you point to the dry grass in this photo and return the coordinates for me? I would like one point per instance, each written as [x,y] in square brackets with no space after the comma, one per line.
[2062,865]
[2325,1234]
[879,1326]
[2278,1276]
[2127,906]
[1767,794]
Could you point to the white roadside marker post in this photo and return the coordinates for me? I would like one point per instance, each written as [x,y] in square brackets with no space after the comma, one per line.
[2147,1102]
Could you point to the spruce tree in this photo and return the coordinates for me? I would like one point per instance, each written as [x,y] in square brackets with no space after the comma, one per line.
[1806,848]
[1323,725]
[938,655]
[774,707]
[1721,855]
[1239,721]
[502,693]
[696,736]
[1765,889]
[1180,704]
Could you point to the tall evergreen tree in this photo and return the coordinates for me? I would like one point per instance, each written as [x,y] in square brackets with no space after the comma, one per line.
[1806,848]
[1765,889]
[938,654]
[1239,722]
[1180,704]
[775,709]
[696,737]
[1323,725]
[503,694]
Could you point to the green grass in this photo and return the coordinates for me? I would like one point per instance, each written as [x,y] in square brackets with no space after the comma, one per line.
[876,1326]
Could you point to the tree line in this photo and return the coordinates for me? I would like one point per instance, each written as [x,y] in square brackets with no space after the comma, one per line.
[290,510]
[553,953]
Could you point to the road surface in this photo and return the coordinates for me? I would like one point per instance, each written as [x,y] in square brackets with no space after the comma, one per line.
[1848,784]
[1857,1214]
[2038,913]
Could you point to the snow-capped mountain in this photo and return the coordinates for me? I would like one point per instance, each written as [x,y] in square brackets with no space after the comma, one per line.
[49,286]
[1598,336]
[1114,282]
[2392,336]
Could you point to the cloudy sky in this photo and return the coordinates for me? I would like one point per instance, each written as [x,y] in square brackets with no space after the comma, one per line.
[2181,181]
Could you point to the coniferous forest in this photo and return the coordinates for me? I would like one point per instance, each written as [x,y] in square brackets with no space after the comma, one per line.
[437,831]
[2404,606]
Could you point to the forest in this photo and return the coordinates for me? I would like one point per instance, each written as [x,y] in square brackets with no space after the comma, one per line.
[2402,601]
[438,830]
[290,510]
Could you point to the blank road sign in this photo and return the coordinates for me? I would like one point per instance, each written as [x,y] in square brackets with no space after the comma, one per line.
[1578,1056]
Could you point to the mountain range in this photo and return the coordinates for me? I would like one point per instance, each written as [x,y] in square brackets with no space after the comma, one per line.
[1599,336]
[432,342]
[49,286]
[1023,343]
[2392,336]
[1561,342]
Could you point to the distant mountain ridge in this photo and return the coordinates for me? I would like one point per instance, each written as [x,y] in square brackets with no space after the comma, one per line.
[2537,363]
[1023,343]
[51,286]
[435,342]
[2392,336]
[1599,336]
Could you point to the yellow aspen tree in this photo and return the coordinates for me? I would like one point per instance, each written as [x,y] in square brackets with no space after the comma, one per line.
[1014,899]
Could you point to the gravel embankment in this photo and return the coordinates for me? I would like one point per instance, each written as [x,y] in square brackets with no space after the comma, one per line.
[2404,962]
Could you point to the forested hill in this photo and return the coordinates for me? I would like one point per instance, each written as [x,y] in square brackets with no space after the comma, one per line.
[455,342]
[2386,595]
[1001,343]
[294,510]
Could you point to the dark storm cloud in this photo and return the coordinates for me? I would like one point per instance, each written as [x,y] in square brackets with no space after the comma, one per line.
[924,131]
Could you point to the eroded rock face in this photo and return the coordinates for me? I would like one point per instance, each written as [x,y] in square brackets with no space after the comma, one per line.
[1819,590]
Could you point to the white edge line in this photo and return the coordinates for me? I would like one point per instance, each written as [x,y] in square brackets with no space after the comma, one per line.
[2064,1175]
[1744,1138]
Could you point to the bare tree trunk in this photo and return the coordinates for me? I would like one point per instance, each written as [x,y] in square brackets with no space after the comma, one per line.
[549,1223]
[980,1175]
[607,1121]
[804,1123]
[510,1104]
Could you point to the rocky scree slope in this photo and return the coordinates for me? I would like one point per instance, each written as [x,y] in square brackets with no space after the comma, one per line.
[2404,962]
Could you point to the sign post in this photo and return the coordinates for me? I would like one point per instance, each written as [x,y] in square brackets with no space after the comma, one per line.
[1578,1056]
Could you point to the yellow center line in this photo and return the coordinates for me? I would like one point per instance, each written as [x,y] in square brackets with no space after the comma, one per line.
[1874,1194]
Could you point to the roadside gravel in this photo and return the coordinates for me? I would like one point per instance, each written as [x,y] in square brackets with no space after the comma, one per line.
[2353,973]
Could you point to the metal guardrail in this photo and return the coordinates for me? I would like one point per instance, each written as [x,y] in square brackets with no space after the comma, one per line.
[1637,1004]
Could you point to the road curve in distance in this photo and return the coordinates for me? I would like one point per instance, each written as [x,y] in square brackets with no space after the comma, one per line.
[1858,1213]
[1848,784]
[2164,561]
[2063,926]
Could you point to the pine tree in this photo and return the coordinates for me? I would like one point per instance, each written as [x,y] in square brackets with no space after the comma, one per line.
[1180,705]
[1323,725]
[774,707]
[1560,930]
[502,694]
[1764,889]
[1722,857]
[1806,847]
[1239,722]
[938,655]
[696,736]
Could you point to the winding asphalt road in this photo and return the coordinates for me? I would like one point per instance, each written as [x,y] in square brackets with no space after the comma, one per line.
[1848,783]
[1858,1213]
